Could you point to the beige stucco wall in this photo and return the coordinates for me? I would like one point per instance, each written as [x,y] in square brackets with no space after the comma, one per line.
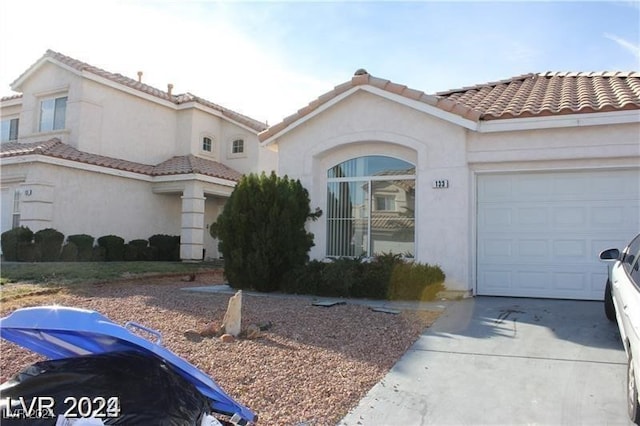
[367,124]
[564,144]
[76,201]
[127,124]
[117,124]
[48,81]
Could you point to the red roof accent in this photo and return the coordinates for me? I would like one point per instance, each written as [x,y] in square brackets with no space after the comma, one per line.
[179,165]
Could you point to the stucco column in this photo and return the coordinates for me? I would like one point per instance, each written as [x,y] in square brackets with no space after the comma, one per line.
[192,225]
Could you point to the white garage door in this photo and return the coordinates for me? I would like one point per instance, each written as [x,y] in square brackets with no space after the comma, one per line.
[539,234]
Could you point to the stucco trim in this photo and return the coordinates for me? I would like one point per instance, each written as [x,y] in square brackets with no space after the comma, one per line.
[196,176]
[11,102]
[553,122]
[27,159]
[422,107]
[45,159]
[403,100]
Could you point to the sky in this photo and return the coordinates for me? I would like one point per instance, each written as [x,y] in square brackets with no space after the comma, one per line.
[268,59]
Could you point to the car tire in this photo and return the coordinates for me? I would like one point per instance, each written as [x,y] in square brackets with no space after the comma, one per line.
[632,393]
[609,309]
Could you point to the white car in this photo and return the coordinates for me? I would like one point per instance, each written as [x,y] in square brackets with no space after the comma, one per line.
[622,304]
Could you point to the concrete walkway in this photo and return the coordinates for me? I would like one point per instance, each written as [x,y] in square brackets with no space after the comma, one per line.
[506,361]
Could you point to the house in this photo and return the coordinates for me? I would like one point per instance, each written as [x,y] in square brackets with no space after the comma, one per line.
[88,151]
[512,187]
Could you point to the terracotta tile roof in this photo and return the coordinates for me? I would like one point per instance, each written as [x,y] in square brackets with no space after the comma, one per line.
[10,97]
[191,164]
[186,164]
[145,88]
[551,93]
[524,96]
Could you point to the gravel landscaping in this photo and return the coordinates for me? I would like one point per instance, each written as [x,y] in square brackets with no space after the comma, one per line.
[310,367]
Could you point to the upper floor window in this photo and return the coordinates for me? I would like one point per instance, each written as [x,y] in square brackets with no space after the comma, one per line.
[207,144]
[9,130]
[53,112]
[237,147]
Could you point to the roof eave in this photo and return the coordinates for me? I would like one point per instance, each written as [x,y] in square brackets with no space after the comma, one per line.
[559,121]
[417,104]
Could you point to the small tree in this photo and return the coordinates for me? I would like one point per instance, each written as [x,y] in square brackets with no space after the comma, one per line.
[262,231]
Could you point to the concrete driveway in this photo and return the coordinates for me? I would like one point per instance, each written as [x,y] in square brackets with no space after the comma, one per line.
[491,360]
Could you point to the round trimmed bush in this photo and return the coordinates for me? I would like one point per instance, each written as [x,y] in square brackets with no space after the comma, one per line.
[49,242]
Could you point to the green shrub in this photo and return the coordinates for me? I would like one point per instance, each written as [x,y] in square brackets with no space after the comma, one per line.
[262,231]
[415,281]
[28,252]
[139,243]
[130,253]
[69,252]
[11,240]
[84,244]
[98,254]
[49,242]
[376,276]
[384,277]
[340,277]
[114,247]
[134,250]
[167,247]
[304,279]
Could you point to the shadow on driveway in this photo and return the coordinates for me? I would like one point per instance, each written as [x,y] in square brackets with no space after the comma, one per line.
[494,361]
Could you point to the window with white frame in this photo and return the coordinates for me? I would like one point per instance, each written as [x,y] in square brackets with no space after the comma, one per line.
[9,130]
[371,207]
[237,146]
[207,144]
[16,209]
[53,113]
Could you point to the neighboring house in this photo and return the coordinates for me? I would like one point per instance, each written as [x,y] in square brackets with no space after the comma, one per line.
[88,151]
[512,187]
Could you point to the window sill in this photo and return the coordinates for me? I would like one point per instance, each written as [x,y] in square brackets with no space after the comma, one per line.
[62,134]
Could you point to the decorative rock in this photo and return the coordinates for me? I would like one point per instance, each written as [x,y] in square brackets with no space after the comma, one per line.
[265,326]
[193,335]
[253,331]
[209,330]
[227,338]
[232,323]
[189,278]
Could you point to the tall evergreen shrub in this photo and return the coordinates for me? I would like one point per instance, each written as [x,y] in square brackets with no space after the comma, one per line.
[262,231]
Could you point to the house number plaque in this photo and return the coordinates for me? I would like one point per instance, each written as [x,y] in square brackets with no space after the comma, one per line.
[441,183]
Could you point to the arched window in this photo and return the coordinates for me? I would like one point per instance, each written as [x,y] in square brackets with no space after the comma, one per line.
[371,207]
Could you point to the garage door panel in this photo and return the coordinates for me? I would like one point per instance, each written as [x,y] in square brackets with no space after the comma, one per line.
[533,248]
[535,245]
